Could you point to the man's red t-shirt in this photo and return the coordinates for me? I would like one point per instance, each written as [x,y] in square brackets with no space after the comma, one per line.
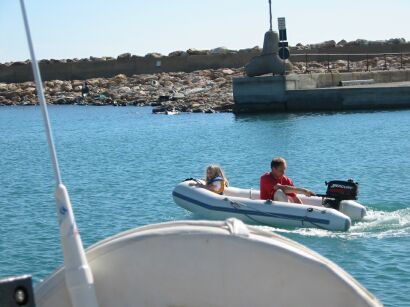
[268,182]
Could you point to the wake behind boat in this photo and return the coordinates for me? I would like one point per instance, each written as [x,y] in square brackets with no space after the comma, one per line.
[245,204]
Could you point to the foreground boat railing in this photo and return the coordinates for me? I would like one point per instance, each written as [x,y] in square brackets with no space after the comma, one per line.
[78,276]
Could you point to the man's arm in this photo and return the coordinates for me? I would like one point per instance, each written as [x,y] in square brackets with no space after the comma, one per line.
[291,189]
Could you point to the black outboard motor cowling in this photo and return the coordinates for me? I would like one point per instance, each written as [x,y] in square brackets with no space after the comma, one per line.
[342,190]
[338,190]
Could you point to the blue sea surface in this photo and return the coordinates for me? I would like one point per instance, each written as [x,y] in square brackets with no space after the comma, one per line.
[121,164]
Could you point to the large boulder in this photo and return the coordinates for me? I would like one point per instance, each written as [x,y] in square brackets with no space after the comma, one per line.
[56,61]
[124,56]
[18,63]
[58,82]
[134,57]
[27,84]
[221,50]
[77,83]
[124,90]
[341,43]
[177,96]
[358,42]
[155,55]
[66,87]
[250,50]
[377,43]
[324,45]
[178,53]
[228,71]
[396,41]
[193,51]
[119,78]
[30,91]
[96,59]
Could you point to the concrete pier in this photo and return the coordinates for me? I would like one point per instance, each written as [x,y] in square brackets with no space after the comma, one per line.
[321,92]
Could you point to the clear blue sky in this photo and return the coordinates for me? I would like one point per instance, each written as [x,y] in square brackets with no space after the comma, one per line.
[74,28]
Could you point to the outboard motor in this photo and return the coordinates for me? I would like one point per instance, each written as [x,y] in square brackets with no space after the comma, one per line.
[343,190]
[338,190]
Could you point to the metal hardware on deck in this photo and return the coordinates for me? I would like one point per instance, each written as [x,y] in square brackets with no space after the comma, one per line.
[17,291]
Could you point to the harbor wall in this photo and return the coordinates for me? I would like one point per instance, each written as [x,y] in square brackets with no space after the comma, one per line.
[356,53]
[101,67]
[323,80]
[82,70]
[320,92]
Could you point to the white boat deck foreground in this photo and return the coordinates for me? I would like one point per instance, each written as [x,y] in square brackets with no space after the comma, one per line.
[201,263]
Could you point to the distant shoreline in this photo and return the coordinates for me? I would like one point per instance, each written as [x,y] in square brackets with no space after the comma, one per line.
[190,90]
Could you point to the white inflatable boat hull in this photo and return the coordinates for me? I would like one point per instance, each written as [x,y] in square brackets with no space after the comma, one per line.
[200,263]
[245,205]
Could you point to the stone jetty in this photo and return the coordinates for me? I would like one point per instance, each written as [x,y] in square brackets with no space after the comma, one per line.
[207,90]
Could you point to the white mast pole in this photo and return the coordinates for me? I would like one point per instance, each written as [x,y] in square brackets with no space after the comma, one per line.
[78,275]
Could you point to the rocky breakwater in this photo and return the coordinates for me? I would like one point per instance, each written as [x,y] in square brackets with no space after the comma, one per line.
[343,43]
[199,91]
[368,58]
[377,63]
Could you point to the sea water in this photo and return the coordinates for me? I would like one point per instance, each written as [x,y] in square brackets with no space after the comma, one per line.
[121,164]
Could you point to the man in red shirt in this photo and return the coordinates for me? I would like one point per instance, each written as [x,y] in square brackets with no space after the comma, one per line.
[276,186]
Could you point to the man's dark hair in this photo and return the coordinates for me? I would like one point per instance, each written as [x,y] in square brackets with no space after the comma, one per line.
[277,161]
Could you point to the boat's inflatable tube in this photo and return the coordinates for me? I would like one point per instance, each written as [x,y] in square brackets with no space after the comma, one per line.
[351,208]
[201,263]
[245,204]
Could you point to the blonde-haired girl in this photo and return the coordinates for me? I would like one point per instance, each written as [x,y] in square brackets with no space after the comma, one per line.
[215,180]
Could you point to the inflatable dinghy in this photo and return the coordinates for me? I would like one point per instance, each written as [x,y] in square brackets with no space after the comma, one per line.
[246,205]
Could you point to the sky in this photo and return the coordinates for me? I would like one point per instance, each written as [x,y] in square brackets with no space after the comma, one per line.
[79,29]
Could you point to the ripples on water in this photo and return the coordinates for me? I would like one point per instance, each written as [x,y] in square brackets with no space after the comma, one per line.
[121,164]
